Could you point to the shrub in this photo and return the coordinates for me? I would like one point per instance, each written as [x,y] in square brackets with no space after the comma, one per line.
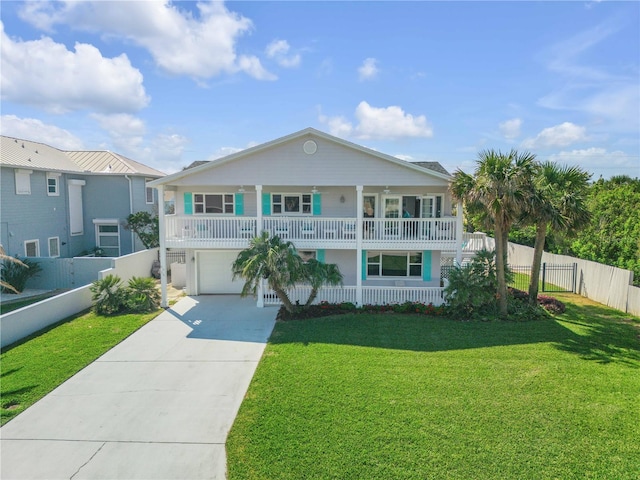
[108,295]
[17,275]
[142,295]
[551,305]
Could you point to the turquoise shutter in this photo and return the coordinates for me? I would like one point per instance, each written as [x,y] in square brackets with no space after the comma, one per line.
[364,264]
[266,204]
[239,201]
[188,203]
[426,265]
[320,256]
[317,204]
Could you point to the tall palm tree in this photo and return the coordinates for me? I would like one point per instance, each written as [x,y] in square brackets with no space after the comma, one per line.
[558,202]
[500,185]
[319,274]
[271,259]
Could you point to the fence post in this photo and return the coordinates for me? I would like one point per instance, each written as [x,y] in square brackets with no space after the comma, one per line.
[544,274]
[575,275]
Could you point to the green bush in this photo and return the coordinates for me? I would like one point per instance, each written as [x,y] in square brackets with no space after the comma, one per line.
[142,295]
[109,296]
[17,275]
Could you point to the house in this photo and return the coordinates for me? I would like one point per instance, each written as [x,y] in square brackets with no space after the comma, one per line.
[387,223]
[68,203]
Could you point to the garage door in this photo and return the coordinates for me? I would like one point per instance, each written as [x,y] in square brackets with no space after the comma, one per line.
[214,272]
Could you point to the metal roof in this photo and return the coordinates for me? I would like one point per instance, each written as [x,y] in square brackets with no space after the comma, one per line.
[108,162]
[20,153]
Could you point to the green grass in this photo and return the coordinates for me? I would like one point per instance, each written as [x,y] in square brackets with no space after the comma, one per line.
[407,397]
[34,367]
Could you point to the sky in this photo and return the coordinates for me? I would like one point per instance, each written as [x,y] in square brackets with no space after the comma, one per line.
[167,83]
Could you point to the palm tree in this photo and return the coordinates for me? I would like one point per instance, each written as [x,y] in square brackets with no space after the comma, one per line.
[500,185]
[7,258]
[558,202]
[271,259]
[319,274]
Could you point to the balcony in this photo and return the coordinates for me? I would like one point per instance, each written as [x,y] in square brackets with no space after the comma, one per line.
[190,231]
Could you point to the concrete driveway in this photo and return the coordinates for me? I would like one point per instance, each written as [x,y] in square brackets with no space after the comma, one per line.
[157,406]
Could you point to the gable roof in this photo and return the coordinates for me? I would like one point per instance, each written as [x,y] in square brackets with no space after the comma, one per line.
[435,166]
[201,166]
[19,153]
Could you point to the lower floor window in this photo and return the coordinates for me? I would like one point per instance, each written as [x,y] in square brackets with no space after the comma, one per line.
[32,248]
[54,247]
[108,239]
[394,264]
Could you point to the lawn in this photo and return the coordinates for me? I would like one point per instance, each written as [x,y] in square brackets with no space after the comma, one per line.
[34,367]
[406,397]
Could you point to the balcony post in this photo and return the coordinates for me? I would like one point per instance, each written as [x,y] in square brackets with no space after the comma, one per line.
[459,232]
[162,227]
[359,266]
[260,303]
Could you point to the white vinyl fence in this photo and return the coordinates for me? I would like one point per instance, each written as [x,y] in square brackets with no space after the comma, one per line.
[604,284]
[23,322]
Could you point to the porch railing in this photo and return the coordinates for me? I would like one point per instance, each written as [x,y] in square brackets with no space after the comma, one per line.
[370,295]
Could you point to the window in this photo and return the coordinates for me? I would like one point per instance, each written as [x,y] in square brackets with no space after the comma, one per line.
[23,182]
[53,181]
[291,203]
[220,203]
[148,191]
[307,255]
[32,248]
[54,246]
[108,237]
[394,264]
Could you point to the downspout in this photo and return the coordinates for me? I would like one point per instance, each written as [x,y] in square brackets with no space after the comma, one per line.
[133,238]
[163,248]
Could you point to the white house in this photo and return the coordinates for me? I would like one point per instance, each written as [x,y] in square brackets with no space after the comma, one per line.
[387,223]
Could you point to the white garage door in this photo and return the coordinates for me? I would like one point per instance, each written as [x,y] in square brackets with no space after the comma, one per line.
[214,272]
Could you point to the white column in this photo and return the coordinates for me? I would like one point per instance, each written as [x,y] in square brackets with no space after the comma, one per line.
[459,232]
[260,303]
[359,207]
[163,248]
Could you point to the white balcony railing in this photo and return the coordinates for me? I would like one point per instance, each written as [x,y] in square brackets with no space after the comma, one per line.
[370,295]
[198,230]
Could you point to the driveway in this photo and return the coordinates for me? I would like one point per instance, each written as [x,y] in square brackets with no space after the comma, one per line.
[157,406]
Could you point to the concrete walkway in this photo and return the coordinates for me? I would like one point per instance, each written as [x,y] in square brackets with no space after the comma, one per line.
[157,406]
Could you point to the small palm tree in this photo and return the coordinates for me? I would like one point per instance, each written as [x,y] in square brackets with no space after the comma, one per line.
[558,202]
[271,259]
[319,274]
[501,186]
[7,258]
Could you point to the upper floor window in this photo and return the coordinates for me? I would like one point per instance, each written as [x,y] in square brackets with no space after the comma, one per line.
[148,191]
[23,182]
[291,203]
[220,203]
[32,248]
[53,184]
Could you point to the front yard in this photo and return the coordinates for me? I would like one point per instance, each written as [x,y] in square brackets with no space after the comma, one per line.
[405,397]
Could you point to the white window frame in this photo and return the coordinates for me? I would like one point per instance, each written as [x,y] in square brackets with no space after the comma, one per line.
[23,182]
[56,184]
[57,246]
[36,242]
[148,192]
[409,264]
[279,205]
[110,222]
[227,202]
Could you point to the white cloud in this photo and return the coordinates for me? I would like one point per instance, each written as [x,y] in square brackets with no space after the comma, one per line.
[126,132]
[510,129]
[600,161]
[37,131]
[201,45]
[224,151]
[279,51]
[390,122]
[561,135]
[379,123]
[47,75]
[368,70]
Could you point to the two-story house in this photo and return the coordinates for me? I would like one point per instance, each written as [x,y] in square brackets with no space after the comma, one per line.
[67,203]
[387,223]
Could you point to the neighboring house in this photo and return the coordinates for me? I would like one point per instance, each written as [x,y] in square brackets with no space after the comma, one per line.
[385,222]
[64,204]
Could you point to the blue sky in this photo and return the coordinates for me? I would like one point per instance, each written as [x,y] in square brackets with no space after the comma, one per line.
[167,83]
